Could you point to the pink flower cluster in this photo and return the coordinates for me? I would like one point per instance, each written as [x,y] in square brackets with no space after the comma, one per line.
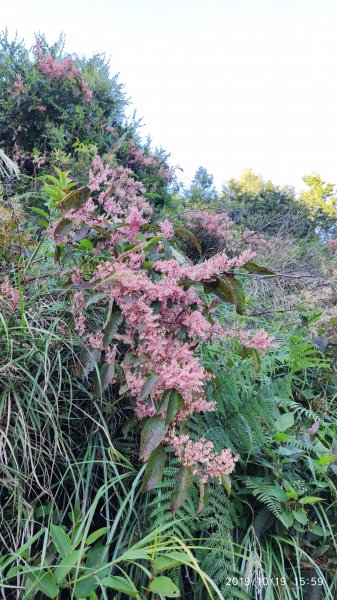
[55,69]
[260,341]
[78,311]
[11,294]
[18,86]
[137,157]
[61,70]
[200,456]
[166,229]
[96,341]
[161,314]
[217,225]
[86,90]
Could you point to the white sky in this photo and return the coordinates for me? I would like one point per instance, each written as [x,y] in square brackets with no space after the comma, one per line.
[227,84]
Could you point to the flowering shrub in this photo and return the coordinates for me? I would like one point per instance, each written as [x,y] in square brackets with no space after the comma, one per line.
[61,70]
[154,322]
[216,232]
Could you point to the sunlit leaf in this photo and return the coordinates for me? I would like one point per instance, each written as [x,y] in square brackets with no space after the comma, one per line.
[164,586]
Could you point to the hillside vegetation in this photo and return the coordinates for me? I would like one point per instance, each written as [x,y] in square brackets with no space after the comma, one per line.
[168,359]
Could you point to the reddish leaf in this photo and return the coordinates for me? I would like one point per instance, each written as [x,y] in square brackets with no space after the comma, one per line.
[152,435]
[62,229]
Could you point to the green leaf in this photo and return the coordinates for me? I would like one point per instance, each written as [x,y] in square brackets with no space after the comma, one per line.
[282,437]
[317,530]
[85,243]
[107,373]
[229,289]
[66,564]
[95,299]
[172,406]
[300,516]
[114,322]
[170,560]
[325,460]
[287,518]
[277,492]
[252,267]
[152,435]
[75,199]
[89,359]
[39,211]
[284,422]
[61,540]
[164,586]
[44,223]
[203,496]
[148,386]
[310,500]
[120,584]
[184,233]
[45,583]
[183,483]
[227,483]
[95,535]
[134,555]
[254,355]
[154,469]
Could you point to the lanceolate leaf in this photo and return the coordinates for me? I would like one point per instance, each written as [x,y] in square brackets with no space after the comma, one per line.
[229,289]
[66,564]
[165,587]
[239,293]
[154,469]
[170,560]
[61,540]
[62,229]
[252,267]
[89,359]
[203,497]
[172,406]
[120,584]
[148,386]
[114,322]
[183,483]
[152,435]
[75,199]
[184,233]
[45,583]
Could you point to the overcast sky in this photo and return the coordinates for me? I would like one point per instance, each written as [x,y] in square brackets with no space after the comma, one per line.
[227,84]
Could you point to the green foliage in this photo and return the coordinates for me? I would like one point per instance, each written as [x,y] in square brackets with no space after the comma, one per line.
[259,204]
[80,516]
[321,201]
[201,190]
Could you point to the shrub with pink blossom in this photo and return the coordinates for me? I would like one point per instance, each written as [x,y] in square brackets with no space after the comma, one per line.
[155,321]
